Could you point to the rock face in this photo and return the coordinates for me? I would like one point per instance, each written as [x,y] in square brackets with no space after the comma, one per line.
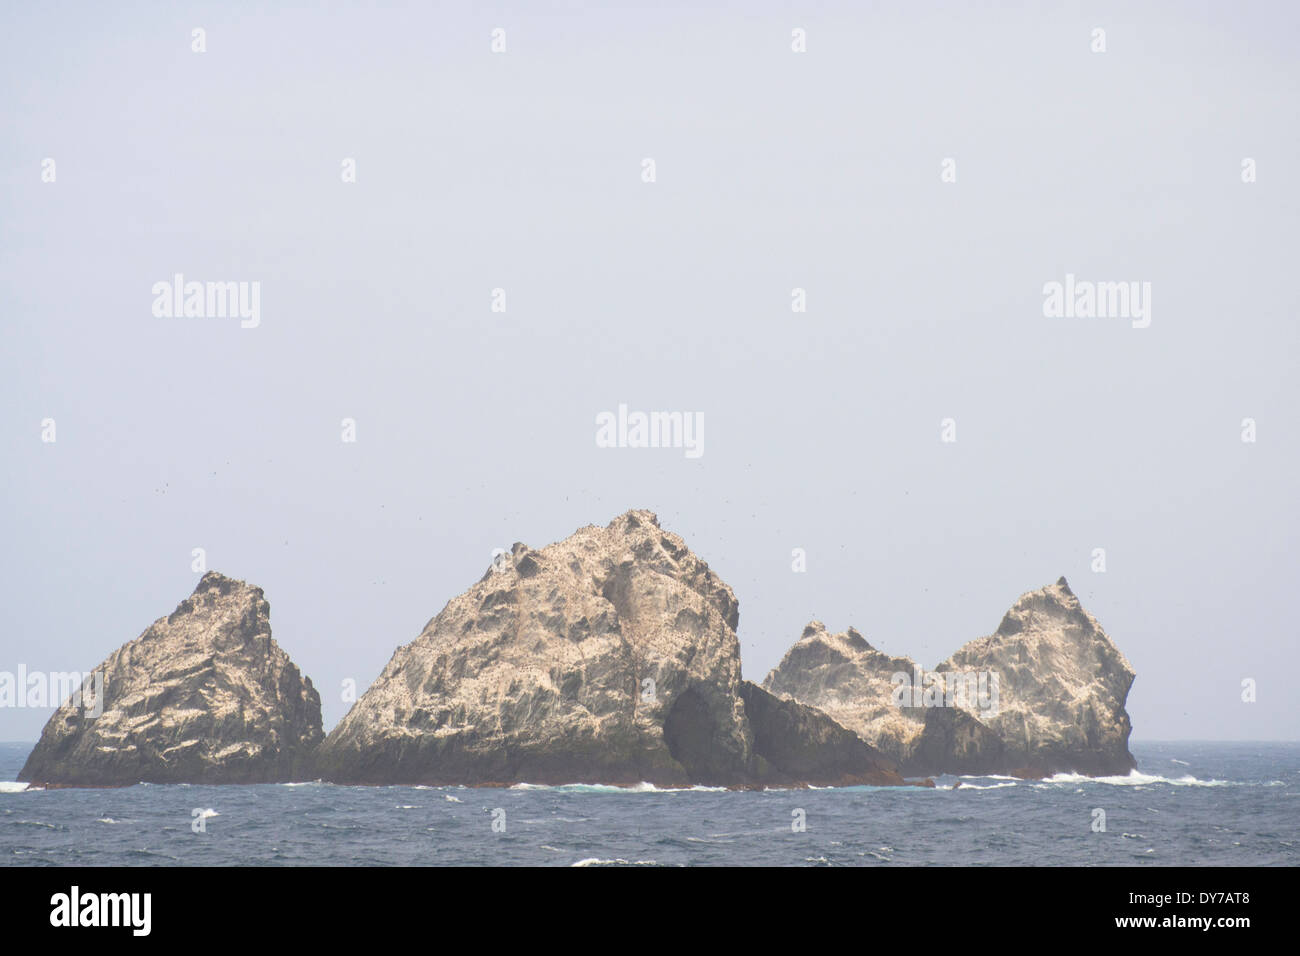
[203,696]
[608,657]
[844,676]
[1062,687]
[1053,698]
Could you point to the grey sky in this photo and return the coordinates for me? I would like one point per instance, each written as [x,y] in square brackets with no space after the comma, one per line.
[775,170]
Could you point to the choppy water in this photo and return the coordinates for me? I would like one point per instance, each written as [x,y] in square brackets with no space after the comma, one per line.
[1190,804]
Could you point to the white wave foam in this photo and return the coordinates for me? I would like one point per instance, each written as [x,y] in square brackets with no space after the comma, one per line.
[642,787]
[209,812]
[450,799]
[1136,779]
[13,786]
[597,861]
[992,786]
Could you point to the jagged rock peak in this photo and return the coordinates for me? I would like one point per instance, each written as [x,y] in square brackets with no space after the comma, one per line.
[1061,687]
[852,638]
[1052,606]
[853,683]
[204,695]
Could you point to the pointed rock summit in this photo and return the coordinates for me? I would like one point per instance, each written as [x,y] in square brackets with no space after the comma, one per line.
[1043,694]
[1063,685]
[608,657]
[204,695]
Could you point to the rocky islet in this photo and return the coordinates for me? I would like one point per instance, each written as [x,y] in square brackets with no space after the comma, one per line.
[608,657]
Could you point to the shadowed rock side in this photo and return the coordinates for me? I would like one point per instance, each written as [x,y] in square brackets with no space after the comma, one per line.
[203,696]
[798,744]
[1062,685]
[608,657]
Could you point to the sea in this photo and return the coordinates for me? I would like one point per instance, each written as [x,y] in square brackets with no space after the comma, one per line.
[1188,804]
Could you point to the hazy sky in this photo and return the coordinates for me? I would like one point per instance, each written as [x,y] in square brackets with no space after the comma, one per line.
[774,170]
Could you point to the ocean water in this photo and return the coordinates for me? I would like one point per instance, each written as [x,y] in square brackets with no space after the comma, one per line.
[1189,804]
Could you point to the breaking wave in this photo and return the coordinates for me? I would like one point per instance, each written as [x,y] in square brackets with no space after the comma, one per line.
[1136,779]
[641,787]
[597,861]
